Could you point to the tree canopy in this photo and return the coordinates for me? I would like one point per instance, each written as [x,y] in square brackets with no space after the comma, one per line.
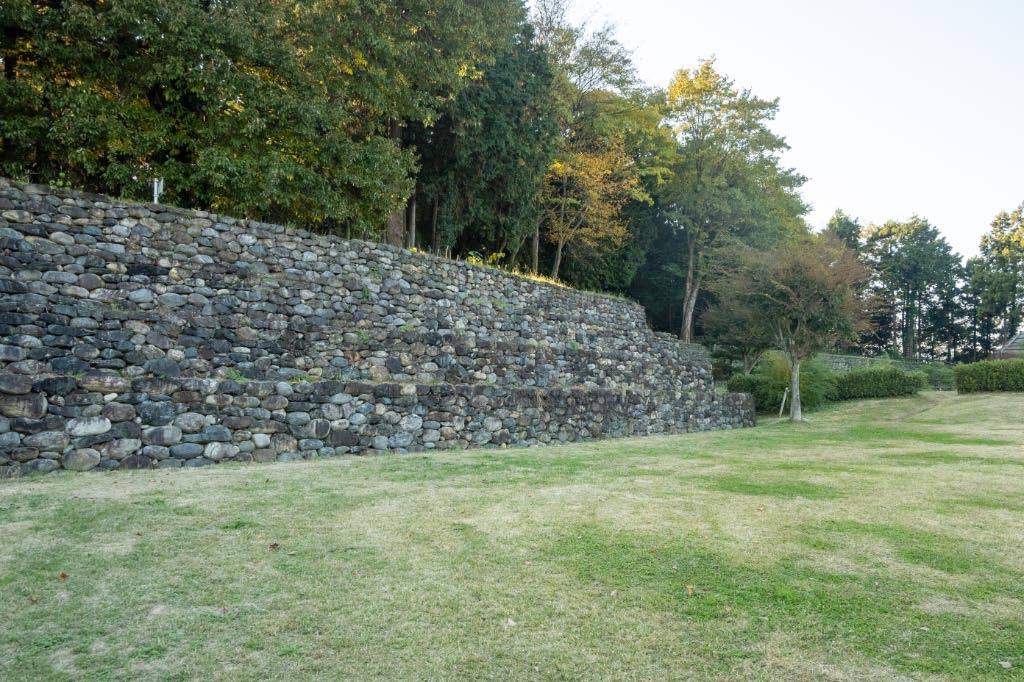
[275,110]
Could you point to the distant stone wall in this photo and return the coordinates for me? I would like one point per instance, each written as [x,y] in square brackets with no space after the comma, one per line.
[844,363]
[141,335]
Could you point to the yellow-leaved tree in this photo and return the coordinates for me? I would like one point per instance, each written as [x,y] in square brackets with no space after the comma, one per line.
[584,195]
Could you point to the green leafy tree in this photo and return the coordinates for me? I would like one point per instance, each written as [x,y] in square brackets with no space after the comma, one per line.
[652,150]
[1002,249]
[983,302]
[846,229]
[594,175]
[736,334]
[277,110]
[728,183]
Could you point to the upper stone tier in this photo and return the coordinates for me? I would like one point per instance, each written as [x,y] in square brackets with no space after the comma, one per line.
[102,284]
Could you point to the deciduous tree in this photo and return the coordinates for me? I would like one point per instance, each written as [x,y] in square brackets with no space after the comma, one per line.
[279,110]
[807,293]
[729,179]
[594,174]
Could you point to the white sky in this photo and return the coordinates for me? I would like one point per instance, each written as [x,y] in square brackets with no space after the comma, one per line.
[891,108]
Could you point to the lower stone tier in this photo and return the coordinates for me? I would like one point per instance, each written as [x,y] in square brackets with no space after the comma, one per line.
[109,422]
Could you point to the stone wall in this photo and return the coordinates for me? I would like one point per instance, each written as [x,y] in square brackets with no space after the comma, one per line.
[844,363]
[140,335]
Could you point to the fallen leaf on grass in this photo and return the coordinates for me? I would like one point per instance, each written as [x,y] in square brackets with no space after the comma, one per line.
[274,545]
[34,600]
[689,590]
[62,577]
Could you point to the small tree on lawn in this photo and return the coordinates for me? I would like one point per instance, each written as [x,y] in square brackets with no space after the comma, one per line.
[807,292]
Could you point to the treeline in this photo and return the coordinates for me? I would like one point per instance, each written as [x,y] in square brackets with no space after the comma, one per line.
[930,303]
[469,128]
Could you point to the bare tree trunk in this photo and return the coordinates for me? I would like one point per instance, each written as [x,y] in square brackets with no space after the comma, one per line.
[435,246]
[690,294]
[795,414]
[513,260]
[394,230]
[558,259]
[535,255]
[410,222]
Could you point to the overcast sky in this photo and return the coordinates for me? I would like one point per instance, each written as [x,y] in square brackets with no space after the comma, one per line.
[891,107]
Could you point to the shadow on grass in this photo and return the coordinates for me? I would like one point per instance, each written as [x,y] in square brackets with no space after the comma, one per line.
[896,434]
[785,488]
[939,457]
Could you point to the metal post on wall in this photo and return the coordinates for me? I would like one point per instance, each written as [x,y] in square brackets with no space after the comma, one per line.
[158,189]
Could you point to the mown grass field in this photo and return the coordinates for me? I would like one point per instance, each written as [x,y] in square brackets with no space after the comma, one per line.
[881,541]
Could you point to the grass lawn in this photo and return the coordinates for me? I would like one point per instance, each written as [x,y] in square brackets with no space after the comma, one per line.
[881,541]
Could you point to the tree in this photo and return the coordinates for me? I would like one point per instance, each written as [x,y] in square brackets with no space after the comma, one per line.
[1002,249]
[652,150]
[282,110]
[845,229]
[913,263]
[729,179]
[483,164]
[593,175]
[735,333]
[982,296]
[807,292]
[584,194]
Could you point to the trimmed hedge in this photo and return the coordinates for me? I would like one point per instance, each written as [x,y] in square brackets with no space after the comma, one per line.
[818,385]
[990,375]
[878,381]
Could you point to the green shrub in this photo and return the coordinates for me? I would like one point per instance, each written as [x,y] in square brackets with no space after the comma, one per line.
[878,381]
[990,375]
[748,383]
[770,379]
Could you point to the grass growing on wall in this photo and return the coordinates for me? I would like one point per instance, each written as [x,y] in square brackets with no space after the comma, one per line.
[881,541]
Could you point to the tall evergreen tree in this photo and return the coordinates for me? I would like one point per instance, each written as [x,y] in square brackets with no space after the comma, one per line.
[483,164]
[1002,249]
[913,262]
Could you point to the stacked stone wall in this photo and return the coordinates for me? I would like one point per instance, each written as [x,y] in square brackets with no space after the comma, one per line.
[844,363]
[141,335]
